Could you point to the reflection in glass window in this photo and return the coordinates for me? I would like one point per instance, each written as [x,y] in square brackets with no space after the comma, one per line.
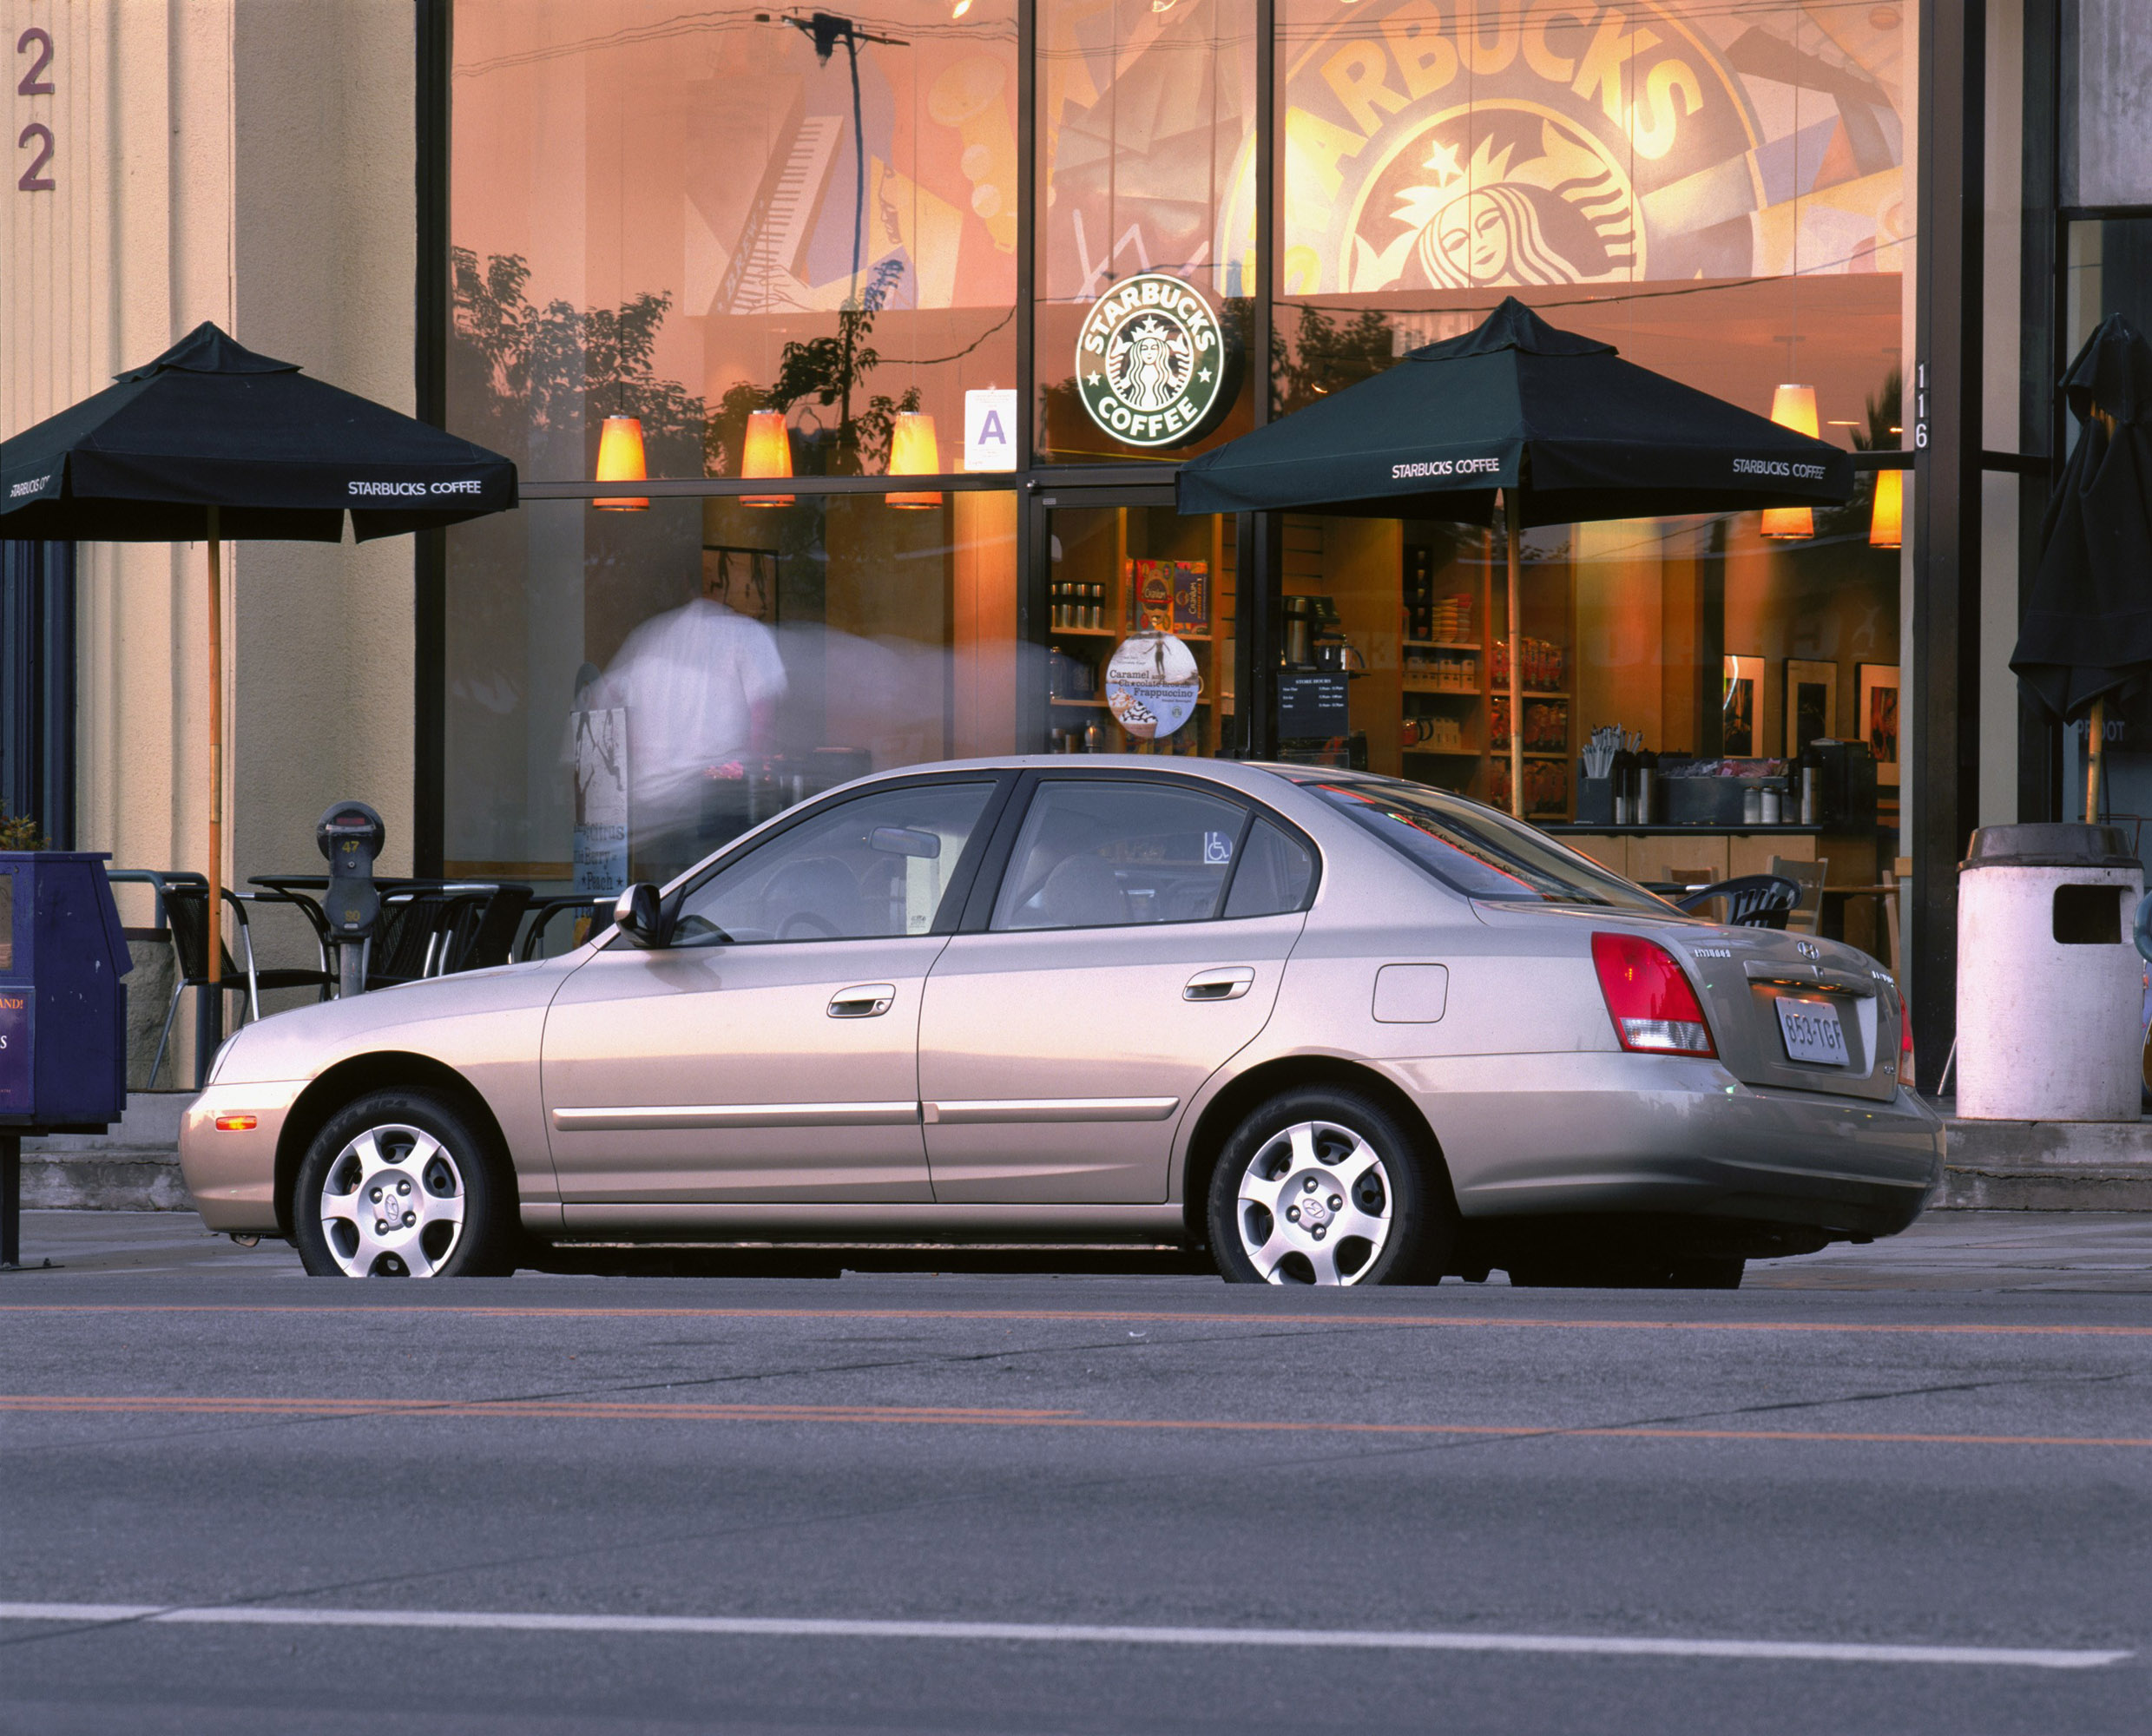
[1105,853]
[871,868]
[627,692]
[1474,851]
[690,216]
[1147,123]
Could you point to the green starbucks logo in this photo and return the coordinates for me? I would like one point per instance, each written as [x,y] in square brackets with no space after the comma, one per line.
[1150,362]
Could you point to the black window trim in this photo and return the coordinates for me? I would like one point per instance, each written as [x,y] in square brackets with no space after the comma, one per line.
[955,898]
[979,910]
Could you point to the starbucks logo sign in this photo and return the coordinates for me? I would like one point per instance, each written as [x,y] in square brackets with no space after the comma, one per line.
[1150,362]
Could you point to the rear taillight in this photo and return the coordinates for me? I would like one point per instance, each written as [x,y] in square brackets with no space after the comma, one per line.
[1654,1008]
[1904,1028]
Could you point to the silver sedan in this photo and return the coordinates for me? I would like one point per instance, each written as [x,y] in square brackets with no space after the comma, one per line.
[1335,1028]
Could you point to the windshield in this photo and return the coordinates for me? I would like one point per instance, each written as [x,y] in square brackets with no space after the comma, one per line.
[1474,851]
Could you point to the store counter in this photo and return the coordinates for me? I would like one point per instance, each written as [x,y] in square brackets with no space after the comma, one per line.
[1695,854]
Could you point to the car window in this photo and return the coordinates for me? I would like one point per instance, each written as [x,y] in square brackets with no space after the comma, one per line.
[1475,851]
[875,866]
[1275,872]
[1107,853]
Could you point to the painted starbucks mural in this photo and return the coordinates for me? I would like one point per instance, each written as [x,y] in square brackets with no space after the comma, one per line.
[1431,147]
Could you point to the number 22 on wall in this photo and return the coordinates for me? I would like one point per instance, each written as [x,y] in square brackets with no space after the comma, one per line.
[36,136]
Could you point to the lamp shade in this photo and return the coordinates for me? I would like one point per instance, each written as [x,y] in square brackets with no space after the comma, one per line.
[1886,523]
[766,452]
[621,460]
[1794,407]
[913,451]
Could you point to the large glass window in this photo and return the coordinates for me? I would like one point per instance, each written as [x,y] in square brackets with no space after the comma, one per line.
[1146,226]
[688,217]
[628,690]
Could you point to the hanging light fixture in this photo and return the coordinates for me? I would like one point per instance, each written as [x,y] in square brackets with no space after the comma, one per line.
[1794,407]
[766,452]
[914,452]
[621,460]
[1886,522]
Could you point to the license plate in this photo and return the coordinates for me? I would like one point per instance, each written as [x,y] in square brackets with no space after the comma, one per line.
[1813,1032]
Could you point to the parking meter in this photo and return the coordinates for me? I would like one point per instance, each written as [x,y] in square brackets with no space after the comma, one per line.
[351,835]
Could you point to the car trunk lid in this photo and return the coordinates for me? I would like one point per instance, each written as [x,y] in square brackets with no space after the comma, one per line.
[1741,975]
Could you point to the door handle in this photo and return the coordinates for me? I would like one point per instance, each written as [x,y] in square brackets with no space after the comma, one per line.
[1226,984]
[868,1001]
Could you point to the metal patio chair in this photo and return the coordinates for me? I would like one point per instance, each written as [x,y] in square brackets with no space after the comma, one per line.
[183,902]
[1752,900]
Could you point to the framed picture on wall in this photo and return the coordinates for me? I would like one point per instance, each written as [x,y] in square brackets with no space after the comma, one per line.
[1879,719]
[1811,703]
[1741,708]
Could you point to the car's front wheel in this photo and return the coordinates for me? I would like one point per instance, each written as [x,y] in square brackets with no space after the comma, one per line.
[401,1184]
[1324,1186]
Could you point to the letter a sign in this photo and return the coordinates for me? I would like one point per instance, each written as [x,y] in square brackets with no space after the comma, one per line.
[989,430]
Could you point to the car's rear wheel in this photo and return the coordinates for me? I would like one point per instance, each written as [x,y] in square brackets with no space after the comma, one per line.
[1324,1186]
[402,1184]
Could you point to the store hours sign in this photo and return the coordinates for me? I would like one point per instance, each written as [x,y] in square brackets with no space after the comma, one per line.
[1151,362]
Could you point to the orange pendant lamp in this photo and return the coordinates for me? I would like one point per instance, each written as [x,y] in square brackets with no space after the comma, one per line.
[1886,522]
[914,452]
[766,452]
[1794,407]
[621,460]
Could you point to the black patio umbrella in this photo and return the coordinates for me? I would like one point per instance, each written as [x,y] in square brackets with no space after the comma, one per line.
[2087,633]
[1558,425]
[211,440]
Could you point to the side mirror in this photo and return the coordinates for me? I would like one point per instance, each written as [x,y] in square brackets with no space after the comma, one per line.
[639,917]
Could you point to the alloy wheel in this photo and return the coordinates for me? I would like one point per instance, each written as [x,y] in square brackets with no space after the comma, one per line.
[1314,1206]
[392,1204]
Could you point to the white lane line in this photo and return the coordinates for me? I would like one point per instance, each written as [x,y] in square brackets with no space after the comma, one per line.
[1041,1632]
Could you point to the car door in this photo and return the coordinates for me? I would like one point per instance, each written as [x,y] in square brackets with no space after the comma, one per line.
[770,1052]
[1134,942]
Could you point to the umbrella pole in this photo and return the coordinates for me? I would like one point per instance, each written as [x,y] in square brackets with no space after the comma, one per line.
[2095,756]
[209,1024]
[1516,663]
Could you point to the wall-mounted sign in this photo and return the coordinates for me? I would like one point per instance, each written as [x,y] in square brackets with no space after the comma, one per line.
[1150,362]
[1311,705]
[1152,684]
[990,428]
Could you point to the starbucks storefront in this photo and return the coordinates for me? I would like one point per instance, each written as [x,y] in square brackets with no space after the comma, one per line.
[848,359]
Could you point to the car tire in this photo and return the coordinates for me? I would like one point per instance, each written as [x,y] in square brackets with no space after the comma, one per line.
[418,1151]
[1378,1209]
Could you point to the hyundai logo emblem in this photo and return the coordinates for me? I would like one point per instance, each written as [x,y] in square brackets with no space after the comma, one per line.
[1808,950]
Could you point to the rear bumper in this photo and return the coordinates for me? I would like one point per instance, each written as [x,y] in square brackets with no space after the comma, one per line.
[1555,1134]
[232,1173]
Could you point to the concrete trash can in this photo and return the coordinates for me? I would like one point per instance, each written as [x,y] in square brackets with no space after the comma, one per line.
[2049,980]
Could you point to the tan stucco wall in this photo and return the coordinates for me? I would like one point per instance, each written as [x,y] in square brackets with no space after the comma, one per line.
[249,162]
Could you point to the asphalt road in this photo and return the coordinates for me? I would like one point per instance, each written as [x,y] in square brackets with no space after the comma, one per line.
[1895,1488]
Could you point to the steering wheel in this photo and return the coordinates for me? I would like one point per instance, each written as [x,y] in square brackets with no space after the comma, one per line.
[806,925]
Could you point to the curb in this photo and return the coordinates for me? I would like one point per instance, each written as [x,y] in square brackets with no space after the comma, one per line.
[113,1182]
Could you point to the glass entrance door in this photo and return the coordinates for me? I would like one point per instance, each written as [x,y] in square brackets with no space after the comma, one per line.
[1138,619]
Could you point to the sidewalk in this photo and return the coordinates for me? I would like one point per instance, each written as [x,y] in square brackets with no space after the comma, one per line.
[1992,1165]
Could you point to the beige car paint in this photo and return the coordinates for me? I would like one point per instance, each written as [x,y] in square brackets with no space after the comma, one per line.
[703,1074]
[1051,1039]
[1521,1081]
